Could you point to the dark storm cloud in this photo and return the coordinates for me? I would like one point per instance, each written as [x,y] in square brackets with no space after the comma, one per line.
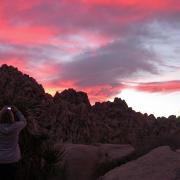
[111,63]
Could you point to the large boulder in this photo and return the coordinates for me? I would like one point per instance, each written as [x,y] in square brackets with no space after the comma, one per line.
[113,152]
[81,162]
[160,163]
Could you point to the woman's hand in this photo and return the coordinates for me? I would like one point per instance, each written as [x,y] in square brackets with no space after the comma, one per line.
[14,109]
[4,109]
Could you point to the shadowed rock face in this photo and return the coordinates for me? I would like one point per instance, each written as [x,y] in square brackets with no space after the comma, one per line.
[160,163]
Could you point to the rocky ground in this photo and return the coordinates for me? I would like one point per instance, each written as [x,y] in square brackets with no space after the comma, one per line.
[160,163]
[82,162]
[56,123]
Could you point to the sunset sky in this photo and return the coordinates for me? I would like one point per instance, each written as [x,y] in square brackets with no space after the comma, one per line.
[107,48]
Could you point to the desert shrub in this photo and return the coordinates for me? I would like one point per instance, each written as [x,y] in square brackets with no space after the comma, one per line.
[30,165]
[52,161]
[31,144]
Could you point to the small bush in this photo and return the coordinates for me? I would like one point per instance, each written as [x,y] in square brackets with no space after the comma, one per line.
[52,161]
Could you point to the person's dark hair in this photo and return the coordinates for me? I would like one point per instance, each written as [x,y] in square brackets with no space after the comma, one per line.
[6,117]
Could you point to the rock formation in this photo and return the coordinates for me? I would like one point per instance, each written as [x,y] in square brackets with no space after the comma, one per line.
[68,117]
[84,162]
[160,163]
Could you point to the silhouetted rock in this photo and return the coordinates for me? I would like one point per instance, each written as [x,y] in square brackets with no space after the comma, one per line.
[72,97]
[16,87]
[69,117]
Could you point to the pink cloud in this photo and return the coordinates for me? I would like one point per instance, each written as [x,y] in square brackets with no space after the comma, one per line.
[96,93]
[23,35]
[38,28]
[102,92]
[152,5]
[19,63]
[159,87]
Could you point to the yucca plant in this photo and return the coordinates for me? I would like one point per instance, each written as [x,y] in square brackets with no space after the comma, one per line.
[52,161]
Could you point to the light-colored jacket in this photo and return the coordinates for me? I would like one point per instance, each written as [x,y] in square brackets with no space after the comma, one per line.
[9,137]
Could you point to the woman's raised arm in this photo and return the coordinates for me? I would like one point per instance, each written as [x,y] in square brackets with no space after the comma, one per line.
[21,119]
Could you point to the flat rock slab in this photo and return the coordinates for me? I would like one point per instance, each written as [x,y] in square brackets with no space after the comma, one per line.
[82,161]
[114,152]
[160,164]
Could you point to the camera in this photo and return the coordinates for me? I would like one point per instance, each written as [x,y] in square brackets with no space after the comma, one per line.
[9,108]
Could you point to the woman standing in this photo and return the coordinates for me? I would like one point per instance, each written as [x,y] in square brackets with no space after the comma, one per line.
[9,136]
